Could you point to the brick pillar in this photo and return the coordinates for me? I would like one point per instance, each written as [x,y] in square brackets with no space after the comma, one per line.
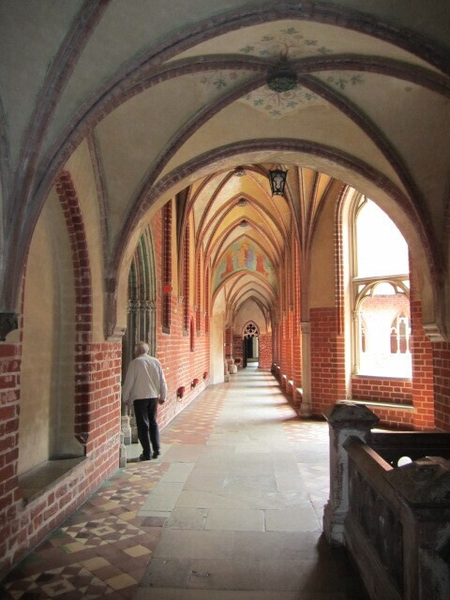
[297,366]
[10,363]
[288,364]
[441,376]
[265,351]
[283,352]
[238,350]
[97,393]
[422,371]
[327,359]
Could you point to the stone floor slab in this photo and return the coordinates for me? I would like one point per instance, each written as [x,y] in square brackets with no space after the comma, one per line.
[187,518]
[195,544]
[177,472]
[226,519]
[295,518]
[181,523]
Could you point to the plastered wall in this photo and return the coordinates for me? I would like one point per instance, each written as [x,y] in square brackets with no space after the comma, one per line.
[46,416]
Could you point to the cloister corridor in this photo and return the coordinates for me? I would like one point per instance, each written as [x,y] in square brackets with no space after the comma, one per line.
[231,510]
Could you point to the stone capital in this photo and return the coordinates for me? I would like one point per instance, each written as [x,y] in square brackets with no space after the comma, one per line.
[346,415]
[305,327]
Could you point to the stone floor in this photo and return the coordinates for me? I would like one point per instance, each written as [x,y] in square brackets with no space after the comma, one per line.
[231,510]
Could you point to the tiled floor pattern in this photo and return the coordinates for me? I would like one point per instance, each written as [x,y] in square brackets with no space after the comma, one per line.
[194,425]
[231,511]
[103,549]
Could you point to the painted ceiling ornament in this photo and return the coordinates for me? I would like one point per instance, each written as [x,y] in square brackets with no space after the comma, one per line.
[280,97]
[281,76]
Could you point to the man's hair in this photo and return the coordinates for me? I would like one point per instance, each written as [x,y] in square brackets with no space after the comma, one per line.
[141,348]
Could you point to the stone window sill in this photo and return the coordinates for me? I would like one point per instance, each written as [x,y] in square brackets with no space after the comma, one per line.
[42,478]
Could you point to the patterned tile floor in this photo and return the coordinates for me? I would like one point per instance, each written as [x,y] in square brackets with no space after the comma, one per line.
[105,548]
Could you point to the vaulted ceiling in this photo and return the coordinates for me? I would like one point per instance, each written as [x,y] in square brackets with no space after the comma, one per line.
[172,94]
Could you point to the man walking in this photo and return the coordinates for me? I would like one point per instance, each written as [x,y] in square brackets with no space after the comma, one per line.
[146,386]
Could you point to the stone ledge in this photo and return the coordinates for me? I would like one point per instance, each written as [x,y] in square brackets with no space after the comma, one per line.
[380,404]
[42,478]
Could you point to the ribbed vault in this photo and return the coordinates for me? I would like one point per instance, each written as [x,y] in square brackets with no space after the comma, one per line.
[155,101]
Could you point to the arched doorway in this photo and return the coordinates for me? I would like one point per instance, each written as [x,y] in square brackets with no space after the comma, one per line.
[250,345]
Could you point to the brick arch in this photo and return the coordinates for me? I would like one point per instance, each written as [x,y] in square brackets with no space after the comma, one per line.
[80,256]
[83,301]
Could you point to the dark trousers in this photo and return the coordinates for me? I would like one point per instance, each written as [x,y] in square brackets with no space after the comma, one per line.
[147,427]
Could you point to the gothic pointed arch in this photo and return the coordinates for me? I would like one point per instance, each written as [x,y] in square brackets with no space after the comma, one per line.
[142,293]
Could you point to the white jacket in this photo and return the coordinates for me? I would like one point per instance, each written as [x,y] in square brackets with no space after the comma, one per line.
[144,379]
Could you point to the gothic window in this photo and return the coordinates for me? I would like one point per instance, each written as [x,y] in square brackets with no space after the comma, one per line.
[380,280]
[141,317]
[251,330]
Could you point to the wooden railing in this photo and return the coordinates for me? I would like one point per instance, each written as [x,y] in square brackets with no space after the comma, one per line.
[394,521]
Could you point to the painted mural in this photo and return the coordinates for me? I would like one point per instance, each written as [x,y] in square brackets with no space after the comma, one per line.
[244,255]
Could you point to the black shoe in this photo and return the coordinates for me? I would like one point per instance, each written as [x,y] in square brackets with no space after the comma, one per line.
[156,453]
[143,457]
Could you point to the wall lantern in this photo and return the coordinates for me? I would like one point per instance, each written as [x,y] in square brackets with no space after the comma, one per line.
[205,374]
[239,171]
[194,383]
[277,178]
[180,391]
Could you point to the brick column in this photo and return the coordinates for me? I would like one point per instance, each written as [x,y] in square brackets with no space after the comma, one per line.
[10,363]
[265,351]
[441,376]
[327,359]
[422,371]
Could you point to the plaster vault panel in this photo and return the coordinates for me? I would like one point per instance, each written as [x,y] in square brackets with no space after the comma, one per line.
[299,39]
[26,56]
[321,124]
[134,136]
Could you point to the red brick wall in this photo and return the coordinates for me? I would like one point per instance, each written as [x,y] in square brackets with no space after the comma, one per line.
[327,359]
[288,369]
[98,390]
[265,351]
[97,412]
[238,350]
[297,367]
[181,366]
[283,352]
[10,361]
[22,525]
[422,372]
[441,374]
[382,389]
